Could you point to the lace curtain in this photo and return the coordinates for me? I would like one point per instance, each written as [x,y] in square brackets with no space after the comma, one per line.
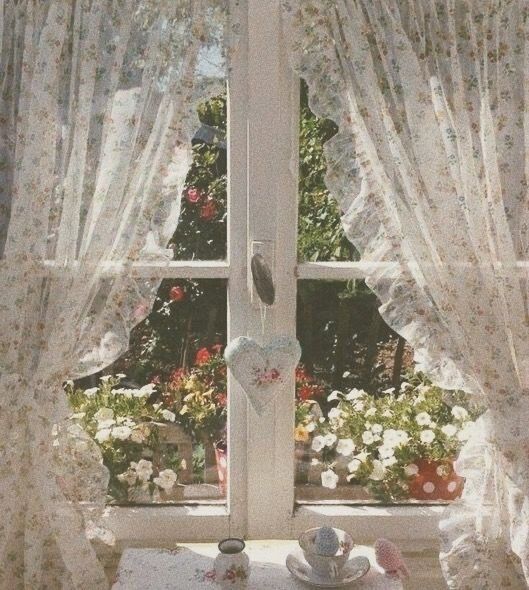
[430,167]
[97,109]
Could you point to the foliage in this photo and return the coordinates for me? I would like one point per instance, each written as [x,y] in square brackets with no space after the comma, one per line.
[198,396]
[320,235]
[375,441]
[201,232]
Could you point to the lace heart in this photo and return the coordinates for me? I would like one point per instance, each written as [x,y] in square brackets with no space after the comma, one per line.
[262,370]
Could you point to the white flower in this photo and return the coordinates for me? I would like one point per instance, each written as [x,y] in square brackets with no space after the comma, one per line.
[334,413]
[405,385]
[102,435]
[145,391]
[355,394]
[330,439]
[370,412]
[143,469]
[310,427]
[385,451]
[68,383]
[105,378]
[78,415]
[104,414]
[354,465]
[346,374]
[168,415]
[367,437]
[377,428]
[334,395]
[166,479]
[121,375]
[389,391]
[102,424]
[465,432]
[387,413]
[91,391]
[359,406]
[378,472]
[121,432]
[329,479]
[395,438]
[318,442]
[345,447]
[411,469]
[427,436]
[321,419]
[389,461]
[449,430]
[459,413]
[423,419]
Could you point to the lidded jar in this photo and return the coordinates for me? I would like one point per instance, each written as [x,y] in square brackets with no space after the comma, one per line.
[232,565]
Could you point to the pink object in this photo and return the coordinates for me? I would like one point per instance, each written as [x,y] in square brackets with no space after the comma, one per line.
[389,558]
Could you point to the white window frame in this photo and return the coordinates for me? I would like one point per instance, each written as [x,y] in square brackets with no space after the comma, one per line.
[263,132]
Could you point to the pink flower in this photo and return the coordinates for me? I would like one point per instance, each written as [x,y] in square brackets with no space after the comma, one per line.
[194,195]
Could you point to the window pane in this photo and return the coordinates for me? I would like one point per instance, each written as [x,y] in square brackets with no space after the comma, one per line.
[159,413]
[320,234]
[367,427]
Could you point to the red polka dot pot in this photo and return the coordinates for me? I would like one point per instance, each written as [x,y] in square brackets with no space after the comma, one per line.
[435,480]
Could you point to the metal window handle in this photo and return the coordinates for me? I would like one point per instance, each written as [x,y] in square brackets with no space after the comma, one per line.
[262,279]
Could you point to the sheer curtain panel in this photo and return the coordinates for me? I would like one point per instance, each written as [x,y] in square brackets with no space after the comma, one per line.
[430,167]
[97,109]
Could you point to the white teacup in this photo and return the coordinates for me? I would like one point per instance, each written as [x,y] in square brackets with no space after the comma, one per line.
[326,566]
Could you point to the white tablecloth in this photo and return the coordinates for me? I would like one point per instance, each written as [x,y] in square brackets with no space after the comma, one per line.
[186,568]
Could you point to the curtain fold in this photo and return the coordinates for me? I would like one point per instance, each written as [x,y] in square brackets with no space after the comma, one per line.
[430,168]
[97,110]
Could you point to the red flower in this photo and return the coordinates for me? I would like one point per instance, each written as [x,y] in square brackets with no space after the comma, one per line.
[305,392]
[222,398]
[208,211]
[202,356]
[177,294]
[156,379]
[194,195]
[301,374]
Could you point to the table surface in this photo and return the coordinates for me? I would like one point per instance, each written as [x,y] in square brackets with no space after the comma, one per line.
[186,566]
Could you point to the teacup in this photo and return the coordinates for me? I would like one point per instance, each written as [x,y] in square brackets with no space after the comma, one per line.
[326,566]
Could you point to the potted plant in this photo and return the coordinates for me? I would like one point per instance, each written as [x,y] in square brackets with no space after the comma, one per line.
[128,426]
[198,397]
[399,445]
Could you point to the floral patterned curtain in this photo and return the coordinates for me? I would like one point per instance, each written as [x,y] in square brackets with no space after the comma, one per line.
[430,167]
[97,109]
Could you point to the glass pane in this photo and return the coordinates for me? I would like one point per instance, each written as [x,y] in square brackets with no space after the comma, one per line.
[320,234]
[159,413]
[369,429]
[201,233]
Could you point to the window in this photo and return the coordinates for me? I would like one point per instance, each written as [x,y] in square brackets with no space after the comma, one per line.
[262,216]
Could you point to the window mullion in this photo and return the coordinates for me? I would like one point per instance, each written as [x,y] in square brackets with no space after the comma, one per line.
[273,103]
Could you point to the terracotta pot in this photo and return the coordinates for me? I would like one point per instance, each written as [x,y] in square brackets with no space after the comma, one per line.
[435,480]
[221,457]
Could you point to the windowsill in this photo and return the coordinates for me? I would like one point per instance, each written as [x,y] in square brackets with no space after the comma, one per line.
[163,526]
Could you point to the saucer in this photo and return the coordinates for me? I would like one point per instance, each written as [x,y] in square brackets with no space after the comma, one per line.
[354,569]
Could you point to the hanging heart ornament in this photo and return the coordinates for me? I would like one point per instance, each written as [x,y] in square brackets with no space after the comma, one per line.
[262,371]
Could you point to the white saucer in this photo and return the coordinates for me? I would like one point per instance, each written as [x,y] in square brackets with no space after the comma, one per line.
[354,569]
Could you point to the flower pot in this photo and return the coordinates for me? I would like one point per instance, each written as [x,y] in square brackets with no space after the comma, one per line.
[435,480]
[221,457]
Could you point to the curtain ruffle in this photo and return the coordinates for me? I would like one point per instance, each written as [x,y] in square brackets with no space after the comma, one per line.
[98,109]
[428,167]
